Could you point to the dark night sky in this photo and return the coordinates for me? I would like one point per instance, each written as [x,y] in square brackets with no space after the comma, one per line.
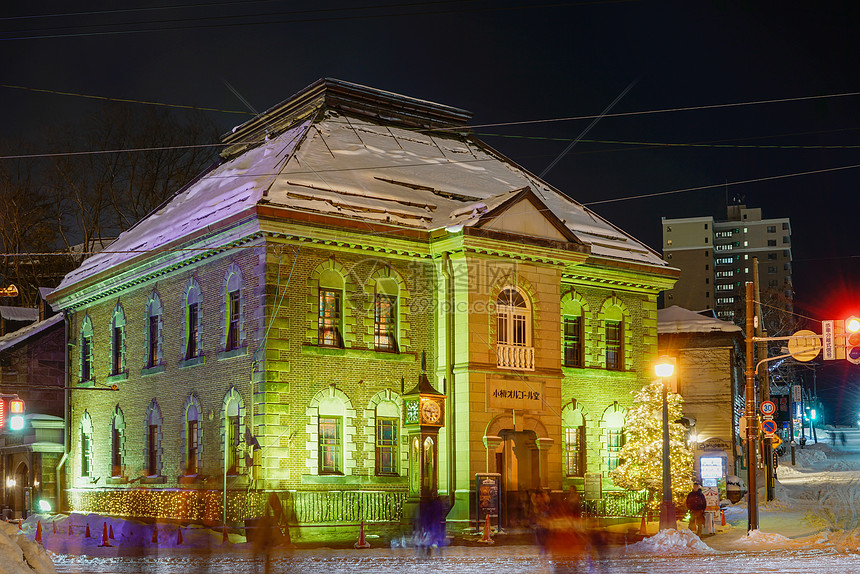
[512,61]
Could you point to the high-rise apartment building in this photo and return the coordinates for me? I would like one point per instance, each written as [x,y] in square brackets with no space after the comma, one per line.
[716,259]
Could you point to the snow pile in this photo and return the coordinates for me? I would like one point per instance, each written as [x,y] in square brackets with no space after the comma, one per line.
[759,538]
[670,541]
[19,555]
[811,455]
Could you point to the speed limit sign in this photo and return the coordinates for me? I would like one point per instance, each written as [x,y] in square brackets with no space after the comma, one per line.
[767,408]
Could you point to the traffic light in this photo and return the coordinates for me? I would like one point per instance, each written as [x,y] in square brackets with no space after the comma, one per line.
[16,414]
[852,339]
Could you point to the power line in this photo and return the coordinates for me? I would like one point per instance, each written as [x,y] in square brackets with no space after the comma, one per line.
[701,187]
[127,10]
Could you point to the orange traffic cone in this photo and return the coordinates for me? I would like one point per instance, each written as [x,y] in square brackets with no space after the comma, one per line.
[155,534]
[70,527]
[54,525]
[643,526]
[487,528]
[19,524]
[105,541]
[362,541]
[179,537]
[39,532]
[87,535]
[110,532]
[722,516]
[224,539]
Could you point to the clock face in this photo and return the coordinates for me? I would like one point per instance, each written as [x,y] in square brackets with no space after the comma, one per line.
[431,412]
[412,412]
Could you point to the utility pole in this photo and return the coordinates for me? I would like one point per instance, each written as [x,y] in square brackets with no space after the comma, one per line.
[749,413]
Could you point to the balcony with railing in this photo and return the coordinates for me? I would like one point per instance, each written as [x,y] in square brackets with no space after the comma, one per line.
[515,357]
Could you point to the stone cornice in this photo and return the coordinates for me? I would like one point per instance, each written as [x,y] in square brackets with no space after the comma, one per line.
[626,279]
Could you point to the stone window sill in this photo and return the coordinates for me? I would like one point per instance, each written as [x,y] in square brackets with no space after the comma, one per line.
[321,351]
[191,362]
[238,352]
[152,370]
[153,480]
[117,377]
[116,480]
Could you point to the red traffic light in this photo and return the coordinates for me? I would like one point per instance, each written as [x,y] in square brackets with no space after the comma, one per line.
[852,339]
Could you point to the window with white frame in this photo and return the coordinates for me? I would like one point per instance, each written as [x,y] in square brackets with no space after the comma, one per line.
[387,435]
[117,341]
[233,309]
[513,318]
[86,445]
[117,443]
[385,315]
[86,350]
[330,309]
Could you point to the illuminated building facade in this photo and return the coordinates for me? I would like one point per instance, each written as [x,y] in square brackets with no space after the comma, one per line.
[264,323]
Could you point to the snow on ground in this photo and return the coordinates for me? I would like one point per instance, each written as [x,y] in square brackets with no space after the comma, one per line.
[20,555]
[670,542]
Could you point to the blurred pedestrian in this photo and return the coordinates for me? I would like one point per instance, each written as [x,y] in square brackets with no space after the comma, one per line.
[696,504]
[842,439]
[574,502]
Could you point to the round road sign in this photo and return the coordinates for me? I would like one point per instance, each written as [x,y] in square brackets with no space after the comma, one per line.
[767,408]
[804,345]
[768,426]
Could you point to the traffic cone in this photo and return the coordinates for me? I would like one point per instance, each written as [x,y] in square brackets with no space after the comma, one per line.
[110,532]
[19,524]
[155,534]
[224,539]
[105,540]
[39,532]
[487,528]
[362,541]
[179,537]
[87,535]
[722,516]
[54,525]
[70,527]
[643,526]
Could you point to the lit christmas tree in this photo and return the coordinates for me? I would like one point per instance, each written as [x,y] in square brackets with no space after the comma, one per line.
[642,453]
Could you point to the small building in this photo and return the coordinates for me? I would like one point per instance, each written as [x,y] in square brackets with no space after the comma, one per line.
[710,376]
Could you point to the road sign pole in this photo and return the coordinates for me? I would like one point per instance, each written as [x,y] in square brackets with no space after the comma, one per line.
[749,413]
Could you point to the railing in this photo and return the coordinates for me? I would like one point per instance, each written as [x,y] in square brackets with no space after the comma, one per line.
[348,506]
[515,357]
[617,504]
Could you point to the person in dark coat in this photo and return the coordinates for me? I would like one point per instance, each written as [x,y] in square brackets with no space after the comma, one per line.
[696,504]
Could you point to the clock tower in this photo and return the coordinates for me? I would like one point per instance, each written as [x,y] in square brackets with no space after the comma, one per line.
[424,415]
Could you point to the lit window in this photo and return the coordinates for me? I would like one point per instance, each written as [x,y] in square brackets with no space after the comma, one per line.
[512,318]
[232,441]
[330,445]
[574,452]
[116,451]
[329,318]
[386,445]
[614,442]
[191,461]
[385,322]
[233,315]
[232,335]
[86,453]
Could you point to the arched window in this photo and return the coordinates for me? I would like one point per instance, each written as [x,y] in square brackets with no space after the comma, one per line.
[117,341]
[233,306]
[234,410]
[614,337]
[192,435]
[330,431]
[153,439]
[192,318]
[154,327]
[387,433]
[86,350]
[117,442]
[86,445]
[573,423]
[573,331]
[513,331]
[330,309]
[385,315]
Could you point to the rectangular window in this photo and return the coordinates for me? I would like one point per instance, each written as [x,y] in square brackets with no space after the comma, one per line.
[191,459]
[193,314]
[86,359]
[152,451]
[86,453]
[785,239]
[785,226]
[771,256]
[573,341]
[329,318]
[386,446]
[153,342]
[502,327]
[771,228]
[771,269]
[725,260]
[116,359]
[385,323]
[573,451]
[614,332]
[233,320]
[725,273]
[232,440]
[614,442]
[116,453]
[329,445]
[771,242]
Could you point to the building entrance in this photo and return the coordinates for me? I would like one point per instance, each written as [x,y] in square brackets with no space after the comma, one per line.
[517,460]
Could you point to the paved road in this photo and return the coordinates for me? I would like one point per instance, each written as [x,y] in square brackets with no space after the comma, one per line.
[504,559]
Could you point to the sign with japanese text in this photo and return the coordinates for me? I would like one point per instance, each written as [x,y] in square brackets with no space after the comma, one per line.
[515,394]
[828,341]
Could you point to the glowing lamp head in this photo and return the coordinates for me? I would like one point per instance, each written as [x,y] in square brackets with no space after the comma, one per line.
[16,407]
[665,366]
[852,325]
[44,505]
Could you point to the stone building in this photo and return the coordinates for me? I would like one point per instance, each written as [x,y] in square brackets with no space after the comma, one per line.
[263,324]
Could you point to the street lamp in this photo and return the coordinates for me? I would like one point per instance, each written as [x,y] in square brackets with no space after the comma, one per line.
[664,368]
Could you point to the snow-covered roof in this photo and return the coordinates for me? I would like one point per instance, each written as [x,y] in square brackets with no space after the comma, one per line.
[9,340]
[19,313]
[676,319]
[348,164]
